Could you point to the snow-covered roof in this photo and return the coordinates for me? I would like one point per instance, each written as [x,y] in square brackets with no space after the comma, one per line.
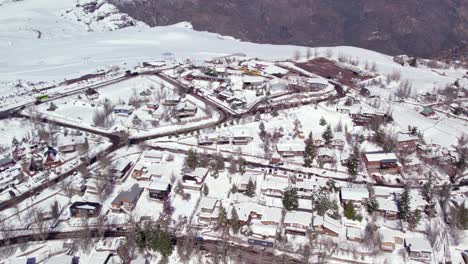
[198,172]
[274,185]
[272,69]
[401,137]
[418,244]
[325,152]
[354,232]
[208,202]
[265,230]
[378,156]
[120,164]
[253,79]
[354,193]
[153,154]
[285,147]
[60,259]
[124,107]
[99,257]
[332,224]
[387,204]
[297,217]
[246,177]
[159,185]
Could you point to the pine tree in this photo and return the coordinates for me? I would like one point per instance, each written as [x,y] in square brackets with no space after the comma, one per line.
[191,160]
[232,165]
[428,191]
[262,133]
[322,121]
[372,204]
[413,219]
[235,224]
[205,190]
[327,135]
[404,203]
[349,211]
[250,189]
[290,199]
[241,165]
[222,217]
[310,152]
[352,164]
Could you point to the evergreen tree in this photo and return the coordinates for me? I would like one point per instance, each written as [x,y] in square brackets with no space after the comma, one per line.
[250,189]
[349,211]
[310,152]
[205,190]
[234,222]
[290,199]
[372,204]
[191,160]
[327,135]
[322,121]
[263,132]
[352,164]
[428,191]
[232,165]
[222,217]
[234,189]
[241,165]
[14,142]
[404,203]
[413,219]
[461,216]
[321,202]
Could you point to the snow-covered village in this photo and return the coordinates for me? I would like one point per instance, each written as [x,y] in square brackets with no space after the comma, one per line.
[170,145]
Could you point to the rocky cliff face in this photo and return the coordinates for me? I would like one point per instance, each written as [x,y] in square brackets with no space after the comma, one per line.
[415,27]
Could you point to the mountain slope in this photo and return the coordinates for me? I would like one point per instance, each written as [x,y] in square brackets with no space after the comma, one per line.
[420,28]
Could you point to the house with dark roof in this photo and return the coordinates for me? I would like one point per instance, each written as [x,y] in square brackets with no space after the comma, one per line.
[85,209]
[127,200]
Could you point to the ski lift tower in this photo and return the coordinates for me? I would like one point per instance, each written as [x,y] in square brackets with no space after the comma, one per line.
[168,57]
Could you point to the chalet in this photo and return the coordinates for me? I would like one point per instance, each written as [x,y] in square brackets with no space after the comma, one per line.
[159,190]
[85,209]
[387,208]
[153,156]
[123,110]
[237,103]
[152,106]
[389,238]
[318,142]
[139,171]
[253,82]
[290,149]
[127,200]
[240,137]
[331,227]
[68,144]
[10,176]
[297,223]
[120,168]
[6,163]
[354,234]
[418,249]
[406,142]
[91,94]
[52,158]
[381,162]
[274,188]
[325,155]
[316,84]
[244,181]
[262,231]
[171,100]
[357,195]
[428,112]
[194,180]
[91,186]
[184,109]
[204,140]
[338,140]
[208,209]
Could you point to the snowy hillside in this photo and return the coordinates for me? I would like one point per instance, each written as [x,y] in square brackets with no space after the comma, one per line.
[44,40]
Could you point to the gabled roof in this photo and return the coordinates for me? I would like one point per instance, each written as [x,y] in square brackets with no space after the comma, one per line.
[418,244]
[354,193]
